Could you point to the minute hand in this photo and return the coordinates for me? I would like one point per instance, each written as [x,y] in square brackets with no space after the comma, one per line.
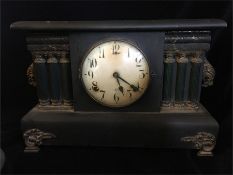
[131,85]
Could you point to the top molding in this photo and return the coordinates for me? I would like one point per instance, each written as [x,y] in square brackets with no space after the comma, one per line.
[121,25]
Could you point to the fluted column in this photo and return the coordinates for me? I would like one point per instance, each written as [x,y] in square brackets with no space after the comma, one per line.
[41,76]
[169,78]
[182,75]
[54,78]
[195,76]
[66,84]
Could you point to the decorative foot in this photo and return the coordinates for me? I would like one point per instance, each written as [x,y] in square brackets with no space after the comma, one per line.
[203,141]
[33,139]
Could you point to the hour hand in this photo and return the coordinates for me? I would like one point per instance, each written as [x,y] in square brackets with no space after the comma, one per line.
[120,87]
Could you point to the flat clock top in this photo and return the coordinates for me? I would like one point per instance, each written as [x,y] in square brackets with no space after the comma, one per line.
[152,25]
[115,73]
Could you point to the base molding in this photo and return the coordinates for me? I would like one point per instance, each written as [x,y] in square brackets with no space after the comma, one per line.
[183,130]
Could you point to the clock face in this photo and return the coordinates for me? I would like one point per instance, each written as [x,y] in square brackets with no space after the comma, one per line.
[115,73]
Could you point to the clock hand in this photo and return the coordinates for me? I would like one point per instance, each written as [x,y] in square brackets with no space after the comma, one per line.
[120,87]
[116,75]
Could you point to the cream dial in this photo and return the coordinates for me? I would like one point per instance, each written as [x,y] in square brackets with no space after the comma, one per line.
[115,73]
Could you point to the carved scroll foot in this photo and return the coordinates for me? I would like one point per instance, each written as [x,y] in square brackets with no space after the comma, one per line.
[33,139]
[203,141]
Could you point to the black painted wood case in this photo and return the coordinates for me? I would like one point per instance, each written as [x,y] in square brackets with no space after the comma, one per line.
[169,115]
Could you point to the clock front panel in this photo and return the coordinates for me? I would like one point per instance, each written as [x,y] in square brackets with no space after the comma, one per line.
[117,71]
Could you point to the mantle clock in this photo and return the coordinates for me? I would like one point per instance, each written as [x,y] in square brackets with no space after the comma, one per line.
[120,83]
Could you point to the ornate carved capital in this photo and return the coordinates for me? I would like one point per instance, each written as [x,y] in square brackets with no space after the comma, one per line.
[52,58]
[169,57]
[37,57]
[208,74]
[33,139]
[196,57]
[181,57]
[64,59]
[203,141]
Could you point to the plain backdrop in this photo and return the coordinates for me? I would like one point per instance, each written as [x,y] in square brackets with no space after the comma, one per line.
[17,97]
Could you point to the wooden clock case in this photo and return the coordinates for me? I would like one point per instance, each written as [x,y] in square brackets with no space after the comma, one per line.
[162,118]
